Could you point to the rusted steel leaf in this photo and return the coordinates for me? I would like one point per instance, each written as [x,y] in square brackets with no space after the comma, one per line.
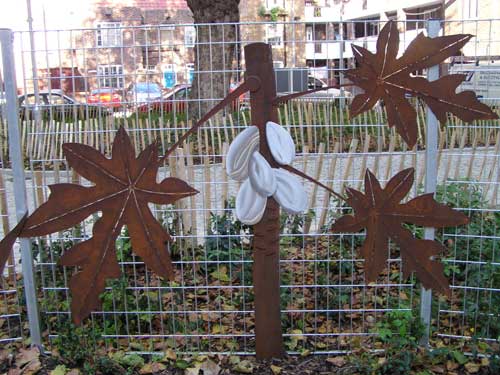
[9,240]
[384,76]
[380,212]
[123,187]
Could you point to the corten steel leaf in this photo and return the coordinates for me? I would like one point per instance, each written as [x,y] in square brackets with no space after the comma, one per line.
[384,76]
[123,187]
[9,240]
[380,212]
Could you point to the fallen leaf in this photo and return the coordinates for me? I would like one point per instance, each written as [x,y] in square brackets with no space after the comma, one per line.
[450,365]
[209,367]
[32,367]
[170,355]
[193,370]
[379,211]
[59,370]
[472,368]
[276,369]
[152,368]
[27,355]
[337,361]
[438,369]
[244,367]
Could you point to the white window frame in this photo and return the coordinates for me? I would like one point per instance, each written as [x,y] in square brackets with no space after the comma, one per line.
[167,36]
[472,9]
[108,75]
[189,36]
[108,34]
[274,34]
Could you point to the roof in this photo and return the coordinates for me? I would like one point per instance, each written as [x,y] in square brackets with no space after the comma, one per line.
[145,4]
[162,4]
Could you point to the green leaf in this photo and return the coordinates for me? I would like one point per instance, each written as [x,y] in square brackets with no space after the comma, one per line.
[459,357]
[182,364]
[59,370]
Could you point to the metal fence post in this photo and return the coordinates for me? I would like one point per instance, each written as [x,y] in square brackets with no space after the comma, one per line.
[431,153]
[7,42]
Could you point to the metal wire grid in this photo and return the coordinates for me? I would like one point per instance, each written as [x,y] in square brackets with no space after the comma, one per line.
[326,305]
[11,291]
[11,296]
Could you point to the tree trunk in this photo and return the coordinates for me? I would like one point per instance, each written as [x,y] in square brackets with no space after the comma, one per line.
[266,280]
[213,51]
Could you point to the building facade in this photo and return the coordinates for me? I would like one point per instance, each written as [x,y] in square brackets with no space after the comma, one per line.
[112,43]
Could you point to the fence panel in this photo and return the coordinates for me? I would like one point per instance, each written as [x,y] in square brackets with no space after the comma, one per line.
[327,307]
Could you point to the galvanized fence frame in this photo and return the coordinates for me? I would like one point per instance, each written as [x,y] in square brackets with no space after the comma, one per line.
[327,306]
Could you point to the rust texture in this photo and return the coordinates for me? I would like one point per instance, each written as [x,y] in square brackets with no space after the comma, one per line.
[124,184]
[8,241]
[268,334]
[380,212]
[123,187]
[384,76]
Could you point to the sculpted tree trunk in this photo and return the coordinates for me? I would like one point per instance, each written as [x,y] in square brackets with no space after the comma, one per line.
[214,51]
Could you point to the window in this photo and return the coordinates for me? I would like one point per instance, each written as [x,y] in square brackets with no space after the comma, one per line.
[317,11]
[54,99]
[110,76]
[366,27]
[109,34]
[273,4]
[416,17]
[184,93]
[167,36]
[274,34]
[471,9]
[309,33]
[189,36]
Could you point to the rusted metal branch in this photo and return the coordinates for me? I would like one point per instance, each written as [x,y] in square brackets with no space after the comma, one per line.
[293,170]
[250,84]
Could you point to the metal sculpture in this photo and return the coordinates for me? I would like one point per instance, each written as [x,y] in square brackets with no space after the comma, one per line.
[261,156]
[384,76]
[380,212]
[123,187]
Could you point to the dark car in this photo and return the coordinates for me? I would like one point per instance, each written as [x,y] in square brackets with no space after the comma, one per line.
[174,100]
[57,106]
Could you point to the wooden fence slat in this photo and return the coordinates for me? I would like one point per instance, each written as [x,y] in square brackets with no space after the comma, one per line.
[317,176]
[352,149]
[331,178]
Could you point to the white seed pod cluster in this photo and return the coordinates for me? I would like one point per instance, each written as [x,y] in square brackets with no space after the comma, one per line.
[260,181]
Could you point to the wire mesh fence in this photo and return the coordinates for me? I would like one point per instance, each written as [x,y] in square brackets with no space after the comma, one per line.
[91,81]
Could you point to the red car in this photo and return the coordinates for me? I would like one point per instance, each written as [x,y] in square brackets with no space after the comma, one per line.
[105,96]
[174,100]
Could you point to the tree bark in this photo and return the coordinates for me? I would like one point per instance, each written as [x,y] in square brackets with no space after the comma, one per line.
[214,51]
[266,280]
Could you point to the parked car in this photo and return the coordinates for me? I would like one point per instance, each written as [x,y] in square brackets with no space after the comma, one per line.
[174,100]
[105,96]
[144,92]
[316,83]
[57,106]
